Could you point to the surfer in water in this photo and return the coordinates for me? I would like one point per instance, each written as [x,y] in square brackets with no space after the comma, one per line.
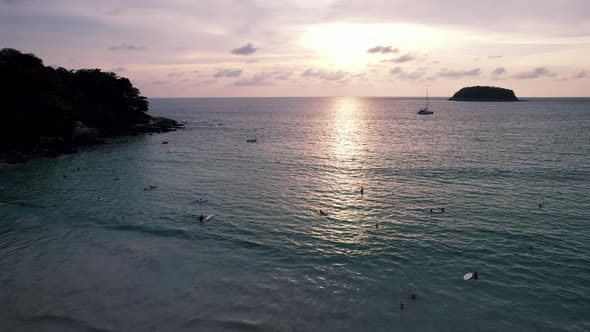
[475,276]
[322,213]
[201,217]
[362,190]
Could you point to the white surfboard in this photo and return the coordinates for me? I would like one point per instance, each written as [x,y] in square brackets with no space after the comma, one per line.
[207,217]
[468,276]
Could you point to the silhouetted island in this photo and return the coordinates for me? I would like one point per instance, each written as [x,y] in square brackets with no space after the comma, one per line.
[484,93]
[46,111]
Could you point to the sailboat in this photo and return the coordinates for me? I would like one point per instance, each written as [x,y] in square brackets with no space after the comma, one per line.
[425,111]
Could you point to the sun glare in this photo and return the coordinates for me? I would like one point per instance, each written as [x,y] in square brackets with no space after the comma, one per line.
[346,128]
[345,45]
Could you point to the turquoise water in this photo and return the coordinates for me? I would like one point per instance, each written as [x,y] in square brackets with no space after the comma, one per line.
[88,252]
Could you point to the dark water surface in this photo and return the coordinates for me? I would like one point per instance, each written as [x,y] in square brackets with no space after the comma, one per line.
[267,261]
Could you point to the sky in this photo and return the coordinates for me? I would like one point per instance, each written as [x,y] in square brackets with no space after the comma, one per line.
[263,48]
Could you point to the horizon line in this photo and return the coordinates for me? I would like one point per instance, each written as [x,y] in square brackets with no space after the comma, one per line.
[417,97]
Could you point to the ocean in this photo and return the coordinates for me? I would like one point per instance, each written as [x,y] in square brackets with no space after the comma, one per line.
[87,245]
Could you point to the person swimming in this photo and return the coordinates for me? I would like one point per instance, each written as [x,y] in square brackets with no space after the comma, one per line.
[442,210]
[322,213]
[362,190]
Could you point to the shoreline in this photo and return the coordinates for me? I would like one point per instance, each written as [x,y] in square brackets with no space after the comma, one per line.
[53,147]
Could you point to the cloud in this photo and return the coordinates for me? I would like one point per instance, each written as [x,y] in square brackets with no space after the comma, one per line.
[333,76]
[310,73]
[206,82]
[126,47]
[404,58]
[499,71]
[494,56]
[13,1]
[263,78]
[118,70]
[535,73]
[458,73]
[245,50]
[228,73]
[175,74]
[413,76]
[580,74]
[282,76]
[260,78]
[325,75]
[544,17]
[399,73]
[395,71]
[383,49]
[113,12]
[361,77]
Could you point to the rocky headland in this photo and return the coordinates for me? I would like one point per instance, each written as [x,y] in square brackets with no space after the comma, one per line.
[49,112]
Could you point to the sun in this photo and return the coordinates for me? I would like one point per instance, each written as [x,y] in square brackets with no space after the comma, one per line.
[345,45]
[340,45]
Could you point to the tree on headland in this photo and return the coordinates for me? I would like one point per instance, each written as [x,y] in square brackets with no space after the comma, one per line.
[39,102]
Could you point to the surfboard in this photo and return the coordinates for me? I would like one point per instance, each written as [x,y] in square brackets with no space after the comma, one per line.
[207,217]
[468,276]
[202,200]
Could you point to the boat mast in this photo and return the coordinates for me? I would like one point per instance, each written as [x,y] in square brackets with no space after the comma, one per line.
[426,98]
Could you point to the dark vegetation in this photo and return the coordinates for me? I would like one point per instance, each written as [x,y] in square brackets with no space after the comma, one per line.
[484,93]
[47,111]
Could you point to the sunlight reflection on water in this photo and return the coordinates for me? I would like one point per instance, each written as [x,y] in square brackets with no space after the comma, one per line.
[269,259]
